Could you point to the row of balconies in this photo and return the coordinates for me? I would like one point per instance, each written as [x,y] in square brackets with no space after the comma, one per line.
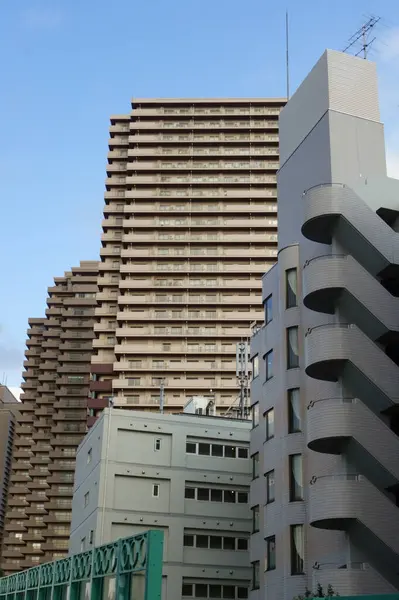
[207,346]
[147,315]
[252,207]
[244,251]
[192,165]
[227,382]
[178,150]
[222,223]
[216,110]
[177,330]
[155,364]
[214,125]
[226,300]
[204,138]
[176,267]
[224,237]
[158,192]
[190,179]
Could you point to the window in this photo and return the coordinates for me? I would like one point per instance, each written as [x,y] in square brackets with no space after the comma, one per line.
[86,498]
[191,448]
[189,493]
[203,494]
[155,490]
[255,465]
[255,415]
[294,411]
[255,575]
[91,537]
[270,496]
[292,348]
[89,456]
[268,309]
[157,444]
[270,555]
[269,365]
[296,477]
[255,518]
[217,450]
[291,288]
[204,449]
[297,549]
[255,366]
[82,544]
[269,419]
[188,540]
[216,495]
[242,453]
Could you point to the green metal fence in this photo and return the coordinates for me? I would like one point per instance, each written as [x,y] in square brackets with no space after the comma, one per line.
[128,569]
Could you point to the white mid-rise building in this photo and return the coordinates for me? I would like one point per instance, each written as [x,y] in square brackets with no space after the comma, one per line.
[185,474]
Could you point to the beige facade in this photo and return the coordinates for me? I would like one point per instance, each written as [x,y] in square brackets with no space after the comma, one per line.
[190,225]
[52,423]
[8,419]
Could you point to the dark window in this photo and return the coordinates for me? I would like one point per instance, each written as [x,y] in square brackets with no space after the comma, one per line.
[215,542]
[204,449]
[270,557]
[203,494]
[229,543]
[229,592]
[294,411]
[291,285]
[216,495]
[191,448]
[292,348]
[187,589]
[215,590]
[217,450]
[255,366]
[255,575]
[269,365]
[242,593]
[255,415]
[269,421]
[242,497]
[296,477]
[270,495]
[201,590]
[230,451]
[229,496]
[255,465]
[297,549]
[255,518]
[202,541]
[242,544]
[188,540]
[189,493]
[268,309]
[242,452]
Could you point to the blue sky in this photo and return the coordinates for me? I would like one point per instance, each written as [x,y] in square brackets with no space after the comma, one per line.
[69,64]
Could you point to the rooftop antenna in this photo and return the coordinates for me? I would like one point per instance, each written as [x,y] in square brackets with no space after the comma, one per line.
[363,35]
[287,53]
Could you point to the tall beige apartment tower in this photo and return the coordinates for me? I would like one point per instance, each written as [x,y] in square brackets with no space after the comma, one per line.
[190,226]
[52,422]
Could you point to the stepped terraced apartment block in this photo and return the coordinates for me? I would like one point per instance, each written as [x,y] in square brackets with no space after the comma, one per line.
[326,362]
[52,422]
[189,227]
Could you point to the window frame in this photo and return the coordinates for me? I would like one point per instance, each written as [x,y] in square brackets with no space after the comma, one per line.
[288,294]
[255,366]
[290,364]
[268,434]
[270,498]
[157,444]
[270,565]
[295,557]
[268,311]
[255,469]
[291,414]
[268,370]
[255,577]
[255,510]
[155,490]
[294,497]
[255,415]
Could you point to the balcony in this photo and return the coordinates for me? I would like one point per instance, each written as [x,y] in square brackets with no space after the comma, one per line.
[101,386]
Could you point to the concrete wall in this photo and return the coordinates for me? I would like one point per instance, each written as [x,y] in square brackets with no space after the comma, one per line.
[131,464]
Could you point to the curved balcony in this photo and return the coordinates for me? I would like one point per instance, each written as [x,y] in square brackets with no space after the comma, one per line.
[350,579]
[336,350]
[343,425]
[334,278]
[334,209]
[348,502]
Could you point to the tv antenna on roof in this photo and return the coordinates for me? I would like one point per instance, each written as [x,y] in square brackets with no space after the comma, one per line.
[362,35]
